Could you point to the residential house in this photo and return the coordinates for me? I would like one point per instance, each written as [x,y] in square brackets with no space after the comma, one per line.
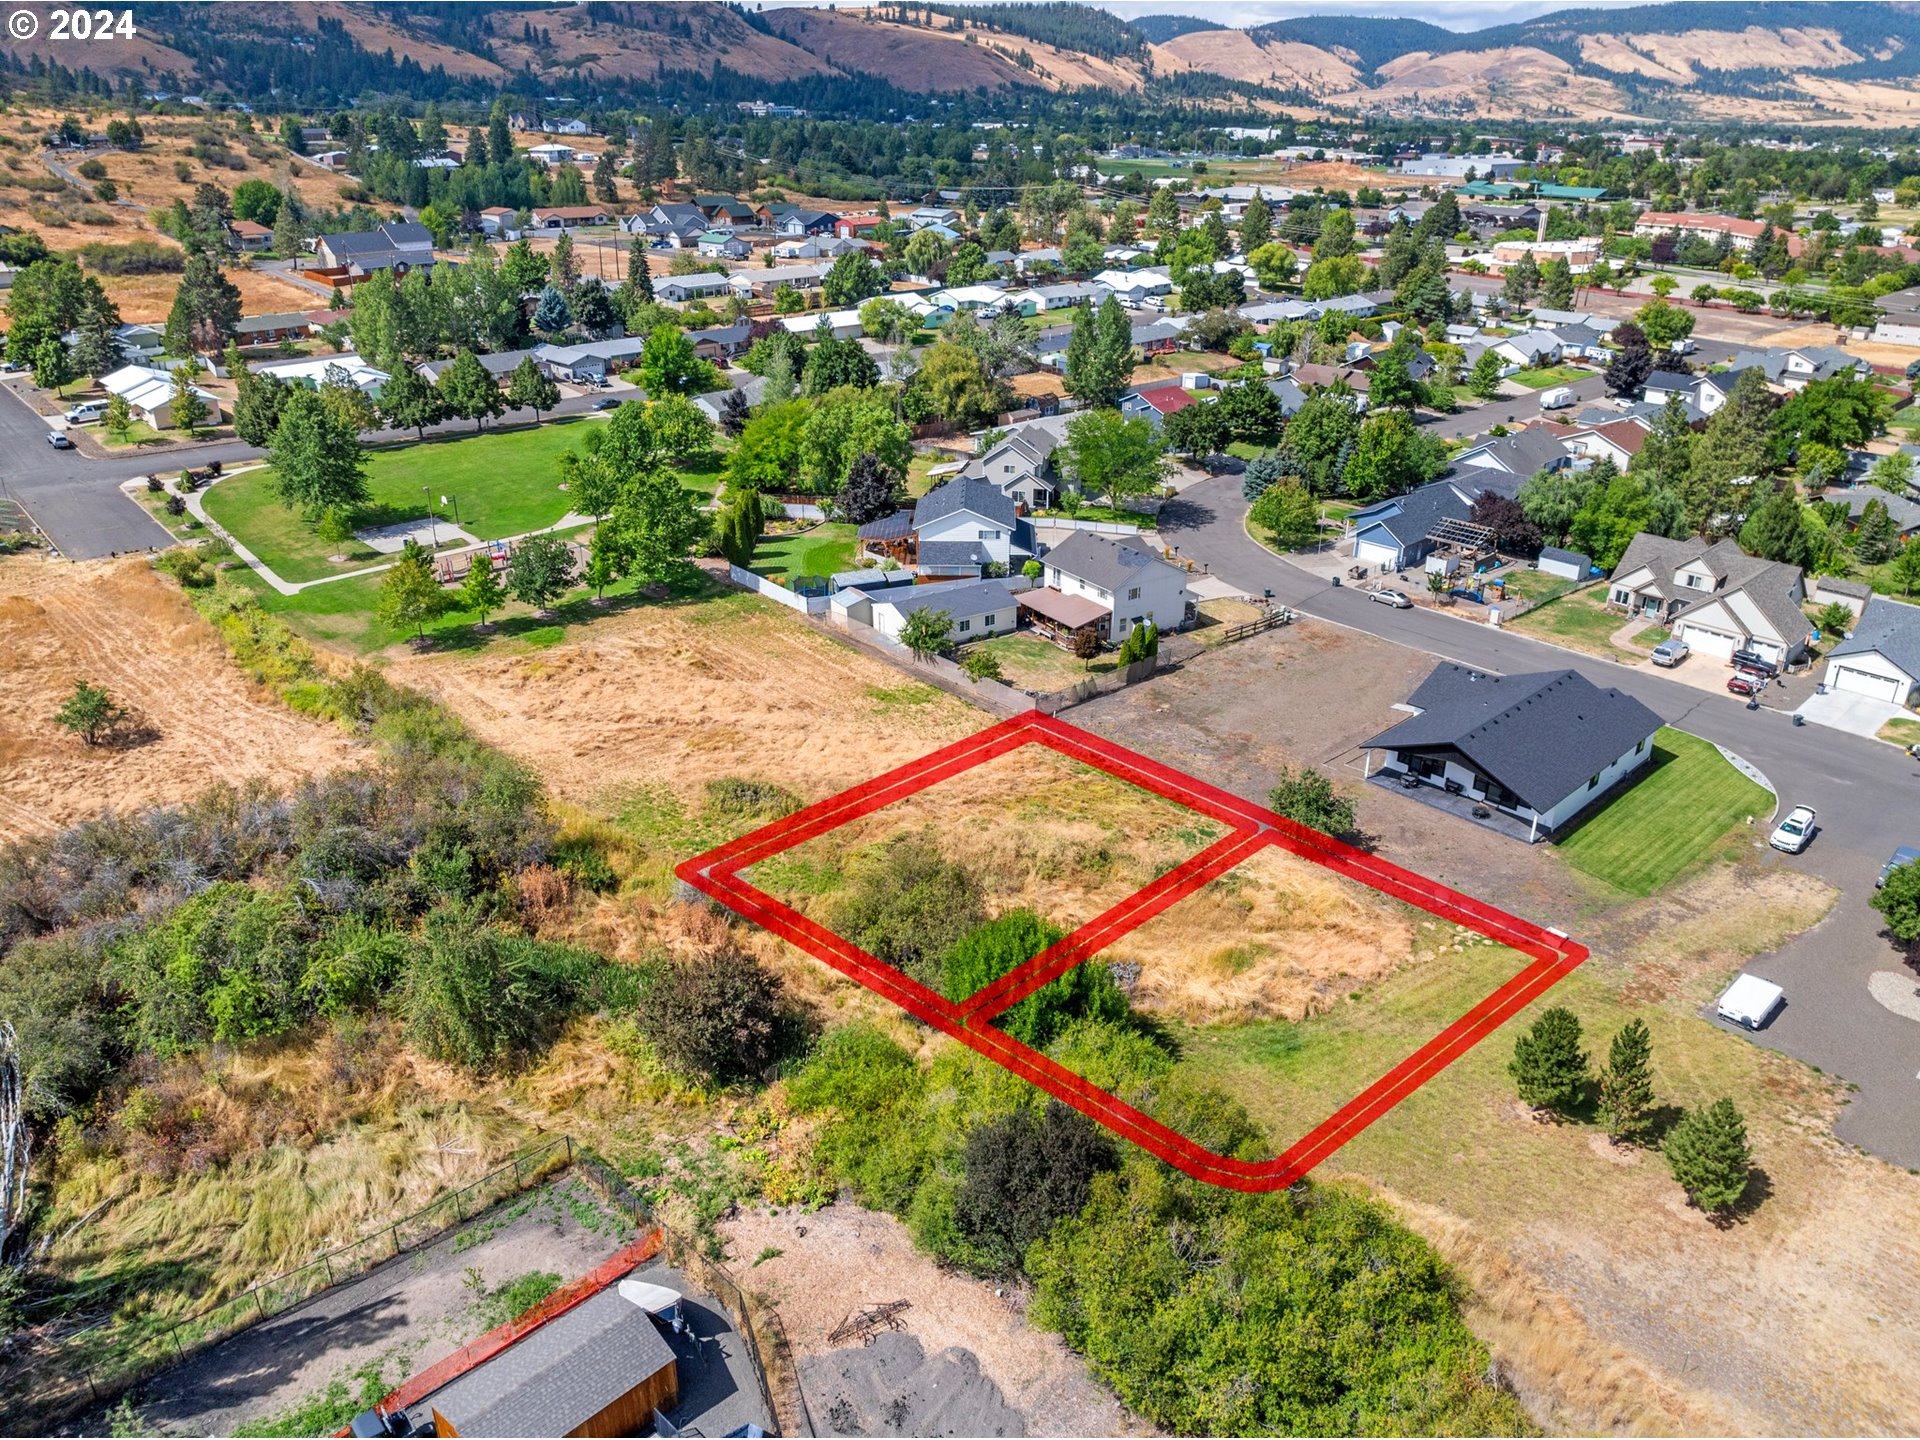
[713,404]
[964,525]
[553,153]
[1903,511]
[984,300]
[138,340]
[248,235]
[1021,464]
[858,227]
[399,246]
[1516,456]
[722,342]
[761,284]
[1880,658]
[1664,383]
[1156,402]
[149,395]
[678,224]
[1159,337]
[273,329]
[1541,748]
[1795,369]
[975,609]
[1136,287]
[817,247]
[1619,442]
[1064,296]
[1716,597]
[682,289]
[805,222]
[1399,533]
[1899,322]
[1044,258]
[316,370]
[841,324]
[1528,348]
[496,222]
[1134,585]
[1582,342]
[568,217]
[1290,395]
[592,362]
[722,245]
[726,210]
[500,364]
[927,215]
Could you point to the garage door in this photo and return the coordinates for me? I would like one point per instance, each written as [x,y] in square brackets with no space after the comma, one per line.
[1864,682]
[1709,642]
[1381,557]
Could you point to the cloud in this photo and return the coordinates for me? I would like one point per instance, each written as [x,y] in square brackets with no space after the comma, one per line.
[1461,15]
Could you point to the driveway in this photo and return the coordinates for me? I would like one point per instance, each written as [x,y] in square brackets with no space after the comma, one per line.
[1866,793]
[1855,714]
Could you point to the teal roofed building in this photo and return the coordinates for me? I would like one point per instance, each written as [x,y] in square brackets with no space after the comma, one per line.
[1572,192]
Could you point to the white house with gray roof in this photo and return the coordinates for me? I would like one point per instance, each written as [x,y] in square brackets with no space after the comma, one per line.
[1881,657]
[1131,582]
[975,609]
[964,525]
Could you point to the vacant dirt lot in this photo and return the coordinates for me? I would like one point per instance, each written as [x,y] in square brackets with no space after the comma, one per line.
[122,626]
[683,694]
[825,1266]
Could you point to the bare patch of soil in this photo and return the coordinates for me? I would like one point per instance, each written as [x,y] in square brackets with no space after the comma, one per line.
[842,1259]
[124,627]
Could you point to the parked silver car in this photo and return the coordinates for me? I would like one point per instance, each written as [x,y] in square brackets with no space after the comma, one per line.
[1669,653]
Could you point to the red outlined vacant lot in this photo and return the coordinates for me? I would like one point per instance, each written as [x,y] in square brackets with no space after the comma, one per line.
[1250,829]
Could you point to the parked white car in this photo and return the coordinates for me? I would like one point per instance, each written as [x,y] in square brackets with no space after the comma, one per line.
[1793,833]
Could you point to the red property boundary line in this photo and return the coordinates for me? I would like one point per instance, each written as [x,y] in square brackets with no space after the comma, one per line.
[1251,828]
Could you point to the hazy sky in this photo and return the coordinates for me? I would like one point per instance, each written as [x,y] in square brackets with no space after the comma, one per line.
[1454,14]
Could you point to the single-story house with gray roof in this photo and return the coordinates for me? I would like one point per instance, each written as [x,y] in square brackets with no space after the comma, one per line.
[1541,747]
[1881,657]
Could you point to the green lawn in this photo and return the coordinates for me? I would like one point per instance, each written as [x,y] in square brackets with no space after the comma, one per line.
[1105,513]
[1901,732]
[1536,587]
[138,433]
[823,550]
[1552,375]
[503,482]
[1668,819]
[1035,664]
[919,481]
[1907,419]
[1577,621]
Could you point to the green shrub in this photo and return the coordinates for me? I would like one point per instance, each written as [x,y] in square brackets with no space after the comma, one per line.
[991,950]
[734,798]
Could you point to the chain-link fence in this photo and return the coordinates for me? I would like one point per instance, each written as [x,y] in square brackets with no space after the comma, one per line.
[47,1380]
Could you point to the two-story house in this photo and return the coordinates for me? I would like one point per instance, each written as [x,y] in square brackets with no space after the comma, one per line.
[1131,583]
[965,525]
[398,246]
[1715,597]
[1021,465]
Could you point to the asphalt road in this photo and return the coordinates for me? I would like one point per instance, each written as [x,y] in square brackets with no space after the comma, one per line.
[1867,795]
[78,503]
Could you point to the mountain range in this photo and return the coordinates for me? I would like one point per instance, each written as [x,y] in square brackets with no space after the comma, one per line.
[1785,63]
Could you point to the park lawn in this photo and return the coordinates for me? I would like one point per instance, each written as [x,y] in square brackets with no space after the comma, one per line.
[501,482]
[340,614]
[1544,379]
[1901,732]
[1675,814]
[1031,663]
[1579,621]
[823,550]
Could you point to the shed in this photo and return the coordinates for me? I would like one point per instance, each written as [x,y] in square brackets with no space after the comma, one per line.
[1566,564]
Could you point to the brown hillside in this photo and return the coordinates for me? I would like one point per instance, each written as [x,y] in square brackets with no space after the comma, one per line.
[1235,55]
[1512,80]
[637,49]
[950,55]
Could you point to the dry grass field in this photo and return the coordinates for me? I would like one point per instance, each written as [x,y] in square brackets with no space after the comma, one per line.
[122,626]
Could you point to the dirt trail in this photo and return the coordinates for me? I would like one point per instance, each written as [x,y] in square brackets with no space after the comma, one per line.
[121,626]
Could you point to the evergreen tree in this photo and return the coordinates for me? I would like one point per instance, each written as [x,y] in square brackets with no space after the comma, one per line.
[1441,222]
[1523,281]
[531,389]
[257,407]
[1632,362]
[1878,536]
[1549,1068]
[1556,283]
[410,592]
[1400,254]
[1710,1158]
[1626,1083]
[1424,293]
[552,314]
[206,308]
[733,412]
[1776,529]
[639,275]
[1256,224]
[1665,458]
[469,392]
[499,134]
[1737,445]
[96,349]
[289,225]
[189,408]
[563,265]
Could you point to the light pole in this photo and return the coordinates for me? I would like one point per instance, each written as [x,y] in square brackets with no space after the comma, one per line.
[432,533]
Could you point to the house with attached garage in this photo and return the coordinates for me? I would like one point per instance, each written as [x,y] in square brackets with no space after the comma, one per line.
[1881,657]
[1541,748]
[964,525]
[1519,456]
[1716,597]
[1398,533]
[398,246]
[1618,441]
[679,289]
[1131,583]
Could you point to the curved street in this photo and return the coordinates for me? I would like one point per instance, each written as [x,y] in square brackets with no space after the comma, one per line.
[1867,793]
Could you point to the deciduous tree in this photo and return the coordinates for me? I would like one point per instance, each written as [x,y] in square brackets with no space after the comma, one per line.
[90,712]
[1308,798]
[410,592]
[540,571]
[530,388]
[319,466]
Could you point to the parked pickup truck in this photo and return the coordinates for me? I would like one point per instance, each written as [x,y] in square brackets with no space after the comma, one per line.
[1754,664]
[1905,855]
